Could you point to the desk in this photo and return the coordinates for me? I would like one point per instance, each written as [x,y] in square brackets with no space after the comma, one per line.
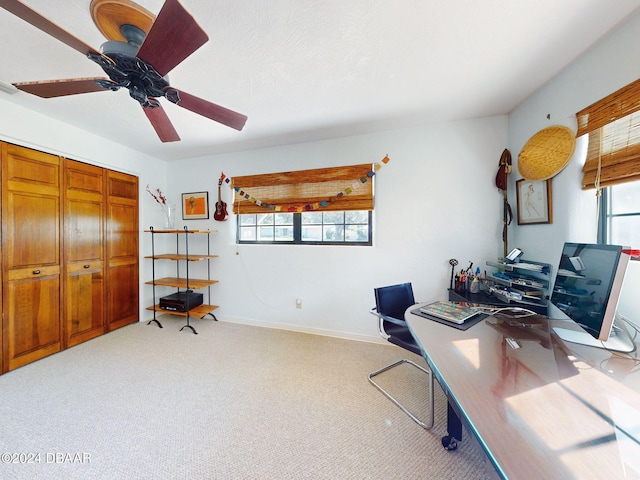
[544,410]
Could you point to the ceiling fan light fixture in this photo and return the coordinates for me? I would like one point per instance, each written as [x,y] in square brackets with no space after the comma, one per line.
[134,35]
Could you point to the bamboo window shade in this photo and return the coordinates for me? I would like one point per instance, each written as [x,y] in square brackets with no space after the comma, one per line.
[613,125]
[303,190]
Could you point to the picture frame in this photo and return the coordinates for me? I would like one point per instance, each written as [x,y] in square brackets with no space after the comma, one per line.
[534,202]
[195,206]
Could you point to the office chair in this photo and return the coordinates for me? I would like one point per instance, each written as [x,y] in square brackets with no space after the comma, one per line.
[391,303]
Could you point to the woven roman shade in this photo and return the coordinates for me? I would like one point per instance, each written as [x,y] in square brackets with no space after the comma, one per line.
[613,125]
[325,189]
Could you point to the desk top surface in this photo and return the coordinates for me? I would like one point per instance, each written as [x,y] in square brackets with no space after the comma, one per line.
[548,409]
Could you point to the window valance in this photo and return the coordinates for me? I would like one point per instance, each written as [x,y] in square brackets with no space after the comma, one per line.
[326,189]
[613,125]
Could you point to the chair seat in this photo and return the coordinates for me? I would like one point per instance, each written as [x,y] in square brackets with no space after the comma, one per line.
[405,341]
[402,337]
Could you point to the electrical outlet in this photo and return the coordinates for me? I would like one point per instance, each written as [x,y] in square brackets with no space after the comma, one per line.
[298,303]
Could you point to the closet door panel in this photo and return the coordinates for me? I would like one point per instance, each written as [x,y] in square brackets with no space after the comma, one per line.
[84,303]
[122,250]
[84,228]
[32,230]
[31,255]
[123,295]
[33,318]
[84,217]
[31,171]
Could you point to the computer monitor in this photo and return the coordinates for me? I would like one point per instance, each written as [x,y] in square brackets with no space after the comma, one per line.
[586,290]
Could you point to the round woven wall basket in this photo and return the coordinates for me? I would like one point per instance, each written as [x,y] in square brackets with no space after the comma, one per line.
[546,153]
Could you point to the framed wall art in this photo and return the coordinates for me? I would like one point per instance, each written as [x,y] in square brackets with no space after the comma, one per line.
[195,206]
[534,202]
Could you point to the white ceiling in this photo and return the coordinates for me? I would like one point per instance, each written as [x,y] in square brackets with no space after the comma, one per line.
[305,70]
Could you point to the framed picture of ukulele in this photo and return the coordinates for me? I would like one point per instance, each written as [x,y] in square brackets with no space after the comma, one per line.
[195,206]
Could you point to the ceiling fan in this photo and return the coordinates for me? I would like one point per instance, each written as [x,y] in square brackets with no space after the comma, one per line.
[139,53]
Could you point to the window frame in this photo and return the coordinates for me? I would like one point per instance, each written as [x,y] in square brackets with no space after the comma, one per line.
[606,216]
[297,231]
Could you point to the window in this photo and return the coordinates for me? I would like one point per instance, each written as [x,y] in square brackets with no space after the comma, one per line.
[325,206]
[265,227]
[352,227]
[620,215]
[336,227]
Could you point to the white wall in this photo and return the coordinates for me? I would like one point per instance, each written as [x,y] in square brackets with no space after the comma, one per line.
[23,127]
[434,200]
[609,65]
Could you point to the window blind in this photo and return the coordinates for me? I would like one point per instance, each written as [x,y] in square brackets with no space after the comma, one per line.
[613,125]
[326,189]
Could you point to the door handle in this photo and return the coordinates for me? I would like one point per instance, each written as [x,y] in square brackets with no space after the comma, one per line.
[36,272]
[87,266]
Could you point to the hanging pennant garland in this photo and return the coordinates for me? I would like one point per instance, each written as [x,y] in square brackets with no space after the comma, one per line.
[309,207]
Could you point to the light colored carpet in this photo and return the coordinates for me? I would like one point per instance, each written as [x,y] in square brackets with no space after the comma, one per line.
[234,402]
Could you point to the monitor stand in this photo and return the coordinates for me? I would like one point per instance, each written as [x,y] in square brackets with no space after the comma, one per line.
[619,338]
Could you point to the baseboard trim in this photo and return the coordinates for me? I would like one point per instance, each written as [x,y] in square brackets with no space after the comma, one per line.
[312,331]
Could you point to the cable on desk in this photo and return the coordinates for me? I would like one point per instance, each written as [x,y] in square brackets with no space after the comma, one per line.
[511,312]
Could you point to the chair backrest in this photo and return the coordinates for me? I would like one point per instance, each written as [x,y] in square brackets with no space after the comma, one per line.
[393,300]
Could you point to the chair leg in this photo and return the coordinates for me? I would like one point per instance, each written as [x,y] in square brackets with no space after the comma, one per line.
[425,425]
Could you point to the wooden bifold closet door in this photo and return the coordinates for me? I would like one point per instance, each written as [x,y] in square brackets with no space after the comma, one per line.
[122,250]
[84,252]
[69,253]
[32,293]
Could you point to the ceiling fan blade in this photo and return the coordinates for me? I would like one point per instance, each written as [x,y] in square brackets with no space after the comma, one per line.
[173,37]
[161,124]
[207,109]
[60,88]
[34,18]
